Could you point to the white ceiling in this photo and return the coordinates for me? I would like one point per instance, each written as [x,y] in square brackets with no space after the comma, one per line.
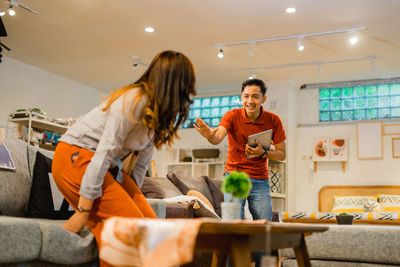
[92,41]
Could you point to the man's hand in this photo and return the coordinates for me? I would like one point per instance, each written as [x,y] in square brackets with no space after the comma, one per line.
[258,150]
[204,129]
[76,222]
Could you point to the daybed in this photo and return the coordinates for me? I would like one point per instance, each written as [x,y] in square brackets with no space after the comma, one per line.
[326,203]
[374,240]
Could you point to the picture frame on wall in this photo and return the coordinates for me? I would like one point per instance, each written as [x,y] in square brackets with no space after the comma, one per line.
[391,129]
[369,140]
[396,147]
[330,148]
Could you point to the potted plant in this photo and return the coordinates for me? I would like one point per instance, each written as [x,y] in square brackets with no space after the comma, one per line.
[236,186]
[344,218]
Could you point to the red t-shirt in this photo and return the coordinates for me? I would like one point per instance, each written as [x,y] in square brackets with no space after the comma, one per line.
[239,127]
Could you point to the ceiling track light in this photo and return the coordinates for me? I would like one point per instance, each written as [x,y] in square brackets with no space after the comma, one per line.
[300,45]
[252,74]
[372,59]
[138,61]
[11,11]
[287,37]
[353,37]
[220,53]
[251,53]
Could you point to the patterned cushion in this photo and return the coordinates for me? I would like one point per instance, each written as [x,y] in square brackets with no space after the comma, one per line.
[390,202]
[372,206]
[351,203]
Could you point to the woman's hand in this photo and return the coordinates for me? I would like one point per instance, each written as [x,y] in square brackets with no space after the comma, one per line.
[258,150]
[76,222]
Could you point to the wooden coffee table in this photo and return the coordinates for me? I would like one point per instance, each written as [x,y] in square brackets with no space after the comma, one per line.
[241,239]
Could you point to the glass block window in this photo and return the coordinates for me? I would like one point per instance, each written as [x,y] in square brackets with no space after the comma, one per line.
[211,109]
[366,102]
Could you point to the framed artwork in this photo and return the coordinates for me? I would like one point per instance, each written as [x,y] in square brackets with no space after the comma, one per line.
[330,148]
[391,129]
[339,149]
[396,147]
[369,140]
[321,148]
[6,162]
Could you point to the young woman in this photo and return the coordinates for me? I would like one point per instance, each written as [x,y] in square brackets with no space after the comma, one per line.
[87,162]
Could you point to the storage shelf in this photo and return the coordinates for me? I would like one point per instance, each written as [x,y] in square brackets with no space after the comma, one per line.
[278,195]
[41,124]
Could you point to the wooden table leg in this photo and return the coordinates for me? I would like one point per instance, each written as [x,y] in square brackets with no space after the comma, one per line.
[302,257]
[218,259]
[240,251]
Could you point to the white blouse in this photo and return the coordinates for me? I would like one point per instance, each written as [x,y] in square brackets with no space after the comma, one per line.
[111,135]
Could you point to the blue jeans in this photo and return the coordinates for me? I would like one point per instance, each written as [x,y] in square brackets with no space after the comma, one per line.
[260,206]
[259,199]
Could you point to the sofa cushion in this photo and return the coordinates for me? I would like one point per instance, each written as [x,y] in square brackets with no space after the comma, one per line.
[63,247]
[214,185]
[159,188]
[46,201]
[185,183]
[359,243]
[195,193]
[200,209]
[15,185]
[20,239]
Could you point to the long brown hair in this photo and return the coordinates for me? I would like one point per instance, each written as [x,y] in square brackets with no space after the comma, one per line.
[168,83]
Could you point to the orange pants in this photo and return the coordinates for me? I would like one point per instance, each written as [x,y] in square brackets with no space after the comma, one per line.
[124,200]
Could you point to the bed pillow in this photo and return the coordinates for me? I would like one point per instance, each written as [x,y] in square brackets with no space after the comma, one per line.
[351,203]
[45,200]
[389,202]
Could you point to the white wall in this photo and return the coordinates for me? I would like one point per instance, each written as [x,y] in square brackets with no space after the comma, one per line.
[306,183]
[24,86]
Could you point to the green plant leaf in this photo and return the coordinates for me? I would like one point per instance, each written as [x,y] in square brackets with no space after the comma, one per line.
[238,184]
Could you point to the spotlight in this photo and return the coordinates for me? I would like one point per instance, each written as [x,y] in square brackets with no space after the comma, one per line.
[220,53]
[300,46]
[2,13]
[353,38]
[149,29]
[252,74]
[251,53]
[290,10]
[11,11]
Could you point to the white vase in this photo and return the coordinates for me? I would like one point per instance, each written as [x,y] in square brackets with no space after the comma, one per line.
[230,211]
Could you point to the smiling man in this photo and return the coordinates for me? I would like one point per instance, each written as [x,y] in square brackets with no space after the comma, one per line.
[238,124]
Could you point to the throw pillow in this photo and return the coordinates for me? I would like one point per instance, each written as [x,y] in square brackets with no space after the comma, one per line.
[158,187]
[185,183]
[215,184]
[351,203]
[199,195]
[372,206]
[390,202]
[200,209]
[178,183]
[45,200]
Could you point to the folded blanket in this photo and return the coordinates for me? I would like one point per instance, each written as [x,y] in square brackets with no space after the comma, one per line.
[148,242]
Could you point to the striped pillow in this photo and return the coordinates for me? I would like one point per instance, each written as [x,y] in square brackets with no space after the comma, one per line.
[389,202]
[351,203]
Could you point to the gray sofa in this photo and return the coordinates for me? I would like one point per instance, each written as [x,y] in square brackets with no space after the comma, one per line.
[38,242]
[351,246]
